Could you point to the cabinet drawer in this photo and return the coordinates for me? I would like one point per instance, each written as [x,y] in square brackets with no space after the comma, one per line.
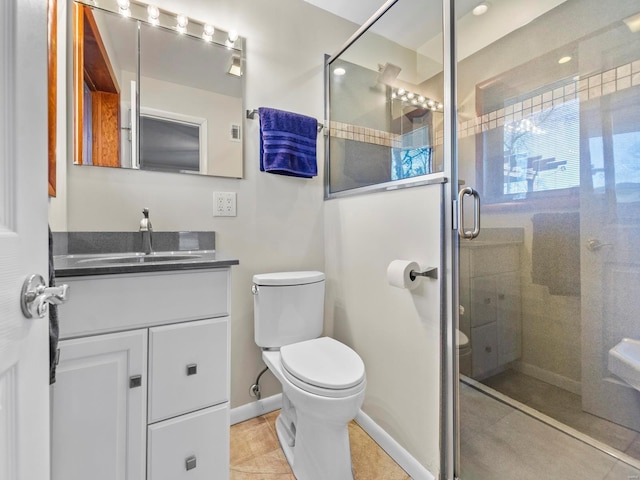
[484,351]
[483,301]
[188,365]
[190,447]
[109,303]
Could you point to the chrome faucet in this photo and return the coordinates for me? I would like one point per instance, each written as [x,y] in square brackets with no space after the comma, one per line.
[147,232]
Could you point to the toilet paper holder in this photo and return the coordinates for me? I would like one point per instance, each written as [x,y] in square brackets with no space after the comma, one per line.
[429,272]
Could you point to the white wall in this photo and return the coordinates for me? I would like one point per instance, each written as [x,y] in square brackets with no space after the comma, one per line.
[280,219]
[395,331]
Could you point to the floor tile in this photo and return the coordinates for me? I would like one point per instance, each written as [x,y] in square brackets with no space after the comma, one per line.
[478,410]
[251,439]
[369,460]
[256,453]
[519,447]
[564,406]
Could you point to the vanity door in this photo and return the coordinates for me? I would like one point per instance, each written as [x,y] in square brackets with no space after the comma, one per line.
[99,408]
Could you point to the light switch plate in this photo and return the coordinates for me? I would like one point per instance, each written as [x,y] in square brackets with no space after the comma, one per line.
[224,204]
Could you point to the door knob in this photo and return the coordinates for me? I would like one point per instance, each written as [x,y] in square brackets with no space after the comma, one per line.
[36,296]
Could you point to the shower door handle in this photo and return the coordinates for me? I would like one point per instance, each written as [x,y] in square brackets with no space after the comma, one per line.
[469,192]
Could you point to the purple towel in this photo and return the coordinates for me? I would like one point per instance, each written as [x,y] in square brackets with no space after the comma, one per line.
[287,143]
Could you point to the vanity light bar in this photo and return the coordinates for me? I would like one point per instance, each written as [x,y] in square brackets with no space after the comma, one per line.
[410,98]
[152,15]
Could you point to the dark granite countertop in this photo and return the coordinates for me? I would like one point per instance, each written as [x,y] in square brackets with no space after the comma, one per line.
[134,262]
[108,253]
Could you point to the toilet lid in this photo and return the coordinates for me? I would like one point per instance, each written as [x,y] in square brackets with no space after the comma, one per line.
[323,362]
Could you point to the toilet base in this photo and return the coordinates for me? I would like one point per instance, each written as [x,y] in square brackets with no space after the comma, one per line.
[323,454]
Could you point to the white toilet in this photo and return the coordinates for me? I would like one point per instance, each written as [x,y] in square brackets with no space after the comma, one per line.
[323,381]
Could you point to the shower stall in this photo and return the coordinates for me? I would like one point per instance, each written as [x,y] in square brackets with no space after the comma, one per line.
[532,111]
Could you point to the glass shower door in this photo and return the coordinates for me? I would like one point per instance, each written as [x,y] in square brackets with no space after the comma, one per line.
[548,133]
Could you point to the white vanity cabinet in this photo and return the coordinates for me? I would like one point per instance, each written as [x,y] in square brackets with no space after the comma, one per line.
[490,295]
[142,387]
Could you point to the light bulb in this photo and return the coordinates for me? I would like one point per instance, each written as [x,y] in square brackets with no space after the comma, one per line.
[207,32]
[421,99]
[410,95]
[401,91]
[124,7]
[440,106]
[564,60]
[233,36]
[339,71]
[431,103]
[481,9]
[153,14]
[183,21]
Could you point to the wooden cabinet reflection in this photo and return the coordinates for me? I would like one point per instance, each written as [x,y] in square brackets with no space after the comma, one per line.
[52,20]
[97,95]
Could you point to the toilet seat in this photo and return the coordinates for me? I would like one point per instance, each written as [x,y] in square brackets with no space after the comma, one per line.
[323,366]
[463,343]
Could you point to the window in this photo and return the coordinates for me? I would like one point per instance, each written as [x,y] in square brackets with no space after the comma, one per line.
[542,151]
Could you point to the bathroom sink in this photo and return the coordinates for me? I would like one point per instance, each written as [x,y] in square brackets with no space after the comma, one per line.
[624,361]
[138,258]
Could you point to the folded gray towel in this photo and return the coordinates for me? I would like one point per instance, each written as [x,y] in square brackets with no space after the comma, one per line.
[555,252]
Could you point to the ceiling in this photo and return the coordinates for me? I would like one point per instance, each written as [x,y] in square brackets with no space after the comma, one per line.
[417,22]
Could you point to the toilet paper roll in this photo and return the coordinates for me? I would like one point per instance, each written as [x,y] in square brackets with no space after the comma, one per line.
[399,274]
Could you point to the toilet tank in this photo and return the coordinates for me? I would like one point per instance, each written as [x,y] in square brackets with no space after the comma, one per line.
[288,307]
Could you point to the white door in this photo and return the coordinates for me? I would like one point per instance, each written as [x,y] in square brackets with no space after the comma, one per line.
[610,257]
[24,346]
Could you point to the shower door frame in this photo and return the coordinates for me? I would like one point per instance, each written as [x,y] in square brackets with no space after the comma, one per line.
[449,419]
[450,383]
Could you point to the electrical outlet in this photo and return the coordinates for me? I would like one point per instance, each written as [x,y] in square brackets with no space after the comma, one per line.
[224,204]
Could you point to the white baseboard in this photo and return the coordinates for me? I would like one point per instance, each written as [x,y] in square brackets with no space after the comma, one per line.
[396,451]
[552,378]
[255,409]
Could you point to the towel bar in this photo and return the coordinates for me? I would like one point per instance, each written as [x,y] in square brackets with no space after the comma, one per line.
[251,114]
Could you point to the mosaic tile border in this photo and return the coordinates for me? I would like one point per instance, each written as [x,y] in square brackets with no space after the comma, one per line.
[363,134]
[593,86]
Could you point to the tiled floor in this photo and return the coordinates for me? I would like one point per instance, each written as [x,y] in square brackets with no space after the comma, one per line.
[256,454]
[566,407]
[499,442]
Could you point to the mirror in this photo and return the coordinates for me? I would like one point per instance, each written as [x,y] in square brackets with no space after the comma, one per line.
[147,97]
[385,103]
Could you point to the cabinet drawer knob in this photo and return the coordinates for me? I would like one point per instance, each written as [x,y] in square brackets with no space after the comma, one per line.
[488,349]
[192,369]
[501,296]
[487,301]
[190,462]
[135,381]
